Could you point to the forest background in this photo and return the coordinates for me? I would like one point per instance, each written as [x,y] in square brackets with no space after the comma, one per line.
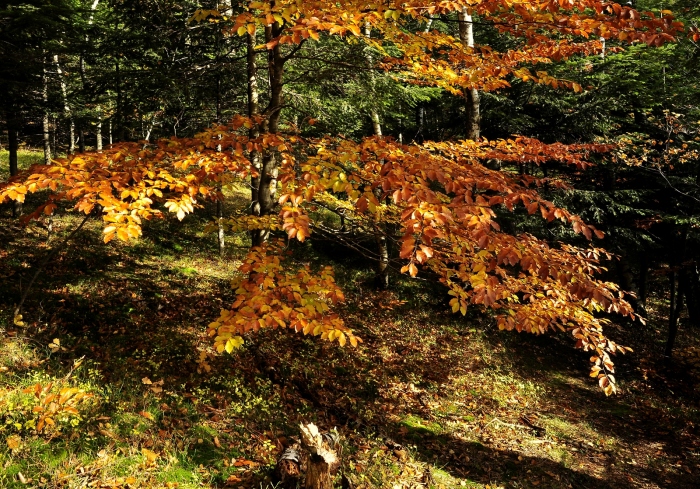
[113,366]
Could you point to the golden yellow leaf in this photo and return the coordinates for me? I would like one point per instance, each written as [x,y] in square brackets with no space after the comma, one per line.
[13,442]
[151,456]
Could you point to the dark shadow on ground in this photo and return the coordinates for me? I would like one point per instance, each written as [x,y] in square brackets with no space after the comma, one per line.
[132,326]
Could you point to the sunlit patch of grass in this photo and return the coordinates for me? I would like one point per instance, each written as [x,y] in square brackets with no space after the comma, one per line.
[16,354]
[563,428]
[562,456]
[444,479]
[25,159]
[418,426]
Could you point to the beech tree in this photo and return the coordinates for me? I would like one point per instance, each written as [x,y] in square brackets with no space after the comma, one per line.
[438,200]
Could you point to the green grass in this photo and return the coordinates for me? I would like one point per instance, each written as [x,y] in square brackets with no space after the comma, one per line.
[428,400]
[25,159]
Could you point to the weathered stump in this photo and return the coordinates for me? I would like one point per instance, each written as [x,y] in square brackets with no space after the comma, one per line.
[323,461]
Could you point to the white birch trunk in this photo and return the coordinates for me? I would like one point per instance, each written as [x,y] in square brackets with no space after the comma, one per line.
[466,35]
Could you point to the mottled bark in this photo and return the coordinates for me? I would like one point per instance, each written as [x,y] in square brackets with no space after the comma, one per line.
[98,130]
[13,148]
[473,102]
[267,180]
[323,460]
[67,112]
[45,126]
[382,278]
[677,294]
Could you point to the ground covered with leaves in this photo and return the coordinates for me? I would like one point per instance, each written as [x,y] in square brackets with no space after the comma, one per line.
[110,381]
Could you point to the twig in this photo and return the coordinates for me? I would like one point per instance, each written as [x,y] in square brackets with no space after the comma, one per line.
[511,425]
[45,262]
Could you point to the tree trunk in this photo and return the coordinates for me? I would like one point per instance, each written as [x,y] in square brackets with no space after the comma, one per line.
[81,139]
[66,106]
[254,132]
[382,278]
[374,115]
[420,106]
[119,113]
[221,234]
[45,126]
[692,294]
[420,118]
[98,130]
[677,263]
[13,148]
[643,279]
[267,181]
[628,283]
[466,35]
[674,312]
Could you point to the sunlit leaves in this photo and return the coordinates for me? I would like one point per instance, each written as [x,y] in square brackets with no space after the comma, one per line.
[553,31]
[437,201]
[439,198]
[274,294]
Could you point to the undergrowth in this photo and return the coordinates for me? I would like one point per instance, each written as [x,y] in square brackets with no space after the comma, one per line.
[428,400]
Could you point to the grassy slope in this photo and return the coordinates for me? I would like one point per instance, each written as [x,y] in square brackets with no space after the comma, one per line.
[429,399]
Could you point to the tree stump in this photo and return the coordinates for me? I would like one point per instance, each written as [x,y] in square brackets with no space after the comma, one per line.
[323,461]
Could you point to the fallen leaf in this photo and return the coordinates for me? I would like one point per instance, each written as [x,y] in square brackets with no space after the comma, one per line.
[232,480]
[146,415]
[13,442]
[151,456]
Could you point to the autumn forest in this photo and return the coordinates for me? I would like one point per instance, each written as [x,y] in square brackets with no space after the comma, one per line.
[358,244]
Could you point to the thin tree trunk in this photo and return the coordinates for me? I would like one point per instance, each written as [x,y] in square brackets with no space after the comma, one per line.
[466,35]
[677,294]
[66,106]
[382,278]
[268,167]
[254,132]
[81,122]
[221,234]
[81,139]
[98,130]
[628,283]
[45,126]
[420,122]
[119,113]
[643,280]
[692,294]
[54,130]
[420,106]
[374,115]
[13,148]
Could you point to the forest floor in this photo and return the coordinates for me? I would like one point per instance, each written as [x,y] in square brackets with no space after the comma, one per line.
[429,399]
